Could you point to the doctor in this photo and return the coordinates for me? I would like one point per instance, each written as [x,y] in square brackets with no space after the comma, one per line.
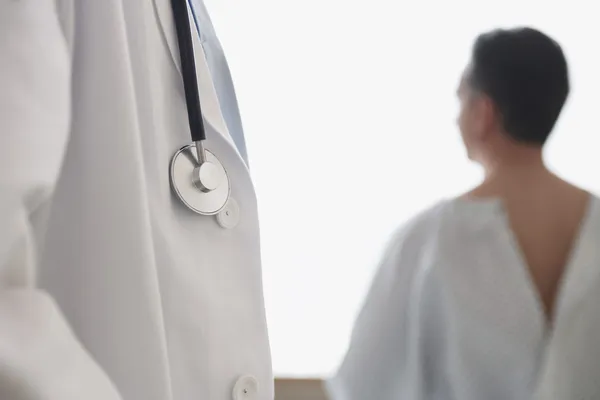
[117,283]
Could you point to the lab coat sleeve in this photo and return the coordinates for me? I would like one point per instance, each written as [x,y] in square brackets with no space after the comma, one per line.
[381,362]
[40,358]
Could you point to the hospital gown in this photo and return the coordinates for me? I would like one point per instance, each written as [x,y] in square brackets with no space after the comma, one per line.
[452,314]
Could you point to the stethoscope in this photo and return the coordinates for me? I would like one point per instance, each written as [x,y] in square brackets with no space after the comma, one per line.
[197,176]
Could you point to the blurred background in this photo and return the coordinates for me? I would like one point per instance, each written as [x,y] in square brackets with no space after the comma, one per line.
[349,110]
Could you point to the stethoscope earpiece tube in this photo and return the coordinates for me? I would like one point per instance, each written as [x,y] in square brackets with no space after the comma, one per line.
[188,70]
[197,176]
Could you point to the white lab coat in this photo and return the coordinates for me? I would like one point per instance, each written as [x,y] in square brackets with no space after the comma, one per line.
[452,315]
[110,289]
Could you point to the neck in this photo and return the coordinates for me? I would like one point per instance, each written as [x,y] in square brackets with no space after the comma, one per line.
[515,168]
[517,172]
[512,158]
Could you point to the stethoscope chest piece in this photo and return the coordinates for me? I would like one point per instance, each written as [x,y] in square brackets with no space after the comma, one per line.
[204,187]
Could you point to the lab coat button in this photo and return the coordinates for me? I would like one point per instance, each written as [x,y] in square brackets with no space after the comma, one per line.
[246,388]
[229,216]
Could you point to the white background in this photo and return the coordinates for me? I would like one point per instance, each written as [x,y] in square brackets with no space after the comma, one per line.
[349,112]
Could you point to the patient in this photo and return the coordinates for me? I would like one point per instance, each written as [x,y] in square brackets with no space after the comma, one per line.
[494,295]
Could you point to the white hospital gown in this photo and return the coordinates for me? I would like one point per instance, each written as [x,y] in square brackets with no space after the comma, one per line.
[452,314]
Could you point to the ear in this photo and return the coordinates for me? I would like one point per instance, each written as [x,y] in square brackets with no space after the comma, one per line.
[487,116]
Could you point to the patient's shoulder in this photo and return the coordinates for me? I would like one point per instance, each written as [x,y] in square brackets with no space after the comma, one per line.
[423,221]
[411,236]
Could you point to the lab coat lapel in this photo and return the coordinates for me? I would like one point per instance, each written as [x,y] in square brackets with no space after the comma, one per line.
[167,23]
[211,109]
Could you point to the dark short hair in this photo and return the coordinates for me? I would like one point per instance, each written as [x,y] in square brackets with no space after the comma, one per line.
[524,72]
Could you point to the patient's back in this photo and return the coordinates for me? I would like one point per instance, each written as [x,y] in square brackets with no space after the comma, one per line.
[545,220]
